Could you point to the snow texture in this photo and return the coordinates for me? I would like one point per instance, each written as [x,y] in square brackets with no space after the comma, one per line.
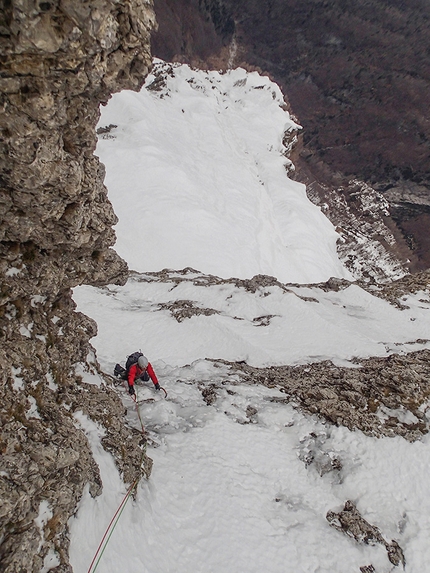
[197,176]
[197,179]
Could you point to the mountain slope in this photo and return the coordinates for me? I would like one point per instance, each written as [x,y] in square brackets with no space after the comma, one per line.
[243,478]
[197,174]
[278,434]
[356,75]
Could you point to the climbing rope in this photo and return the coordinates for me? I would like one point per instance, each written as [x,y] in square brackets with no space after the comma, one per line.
[108,533]
[134,397]
[113,523]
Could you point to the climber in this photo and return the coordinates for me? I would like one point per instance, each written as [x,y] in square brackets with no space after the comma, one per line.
[137,368]
[142,370]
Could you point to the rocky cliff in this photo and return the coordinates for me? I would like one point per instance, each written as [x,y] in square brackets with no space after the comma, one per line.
[59,60]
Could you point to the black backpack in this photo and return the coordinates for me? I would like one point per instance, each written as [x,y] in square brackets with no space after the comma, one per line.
[132,359]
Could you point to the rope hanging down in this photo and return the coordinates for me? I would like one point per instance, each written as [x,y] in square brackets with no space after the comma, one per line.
[102,546]
[113,523]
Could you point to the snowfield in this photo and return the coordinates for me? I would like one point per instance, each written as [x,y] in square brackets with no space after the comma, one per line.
[196,174]
[273,326]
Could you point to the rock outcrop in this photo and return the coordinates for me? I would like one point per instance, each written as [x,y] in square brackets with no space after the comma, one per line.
[351,523]
[60,60]
[383,397]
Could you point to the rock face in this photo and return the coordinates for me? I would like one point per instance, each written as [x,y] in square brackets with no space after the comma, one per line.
[60,60]
[350,522]
[356,75]
[186,34]
[383,397]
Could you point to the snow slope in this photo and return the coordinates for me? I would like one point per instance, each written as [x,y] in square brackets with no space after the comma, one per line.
[197,177]
[231,492]
[303,324]
[229,495]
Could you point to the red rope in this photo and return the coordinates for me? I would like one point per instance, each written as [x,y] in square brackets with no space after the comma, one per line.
[133,485]
[118,512]
[127,495]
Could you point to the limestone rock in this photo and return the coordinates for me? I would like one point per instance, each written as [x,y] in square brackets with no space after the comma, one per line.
[350,522]
[60,60]
[384,397]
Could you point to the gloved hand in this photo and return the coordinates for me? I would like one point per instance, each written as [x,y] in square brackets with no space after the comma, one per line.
[157,386]
[131,390]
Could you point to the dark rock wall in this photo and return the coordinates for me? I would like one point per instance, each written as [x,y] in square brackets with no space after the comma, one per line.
[186,33]
[59,60]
